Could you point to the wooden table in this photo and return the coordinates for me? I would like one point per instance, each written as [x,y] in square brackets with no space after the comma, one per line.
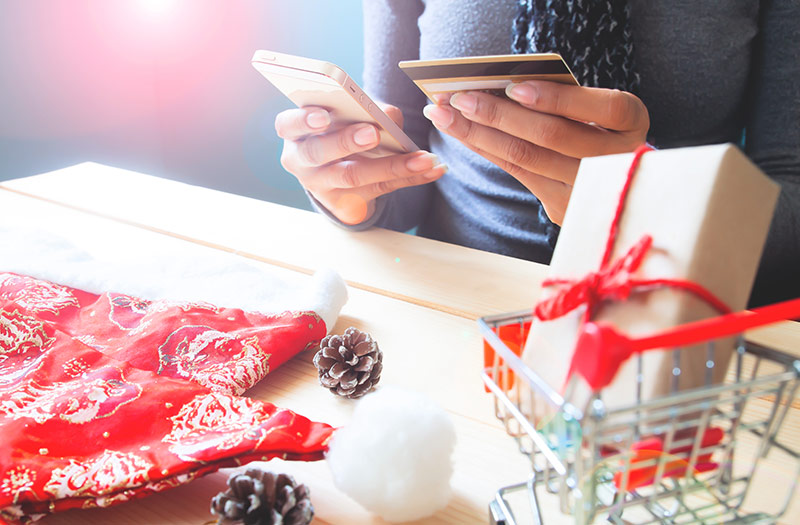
[419,298]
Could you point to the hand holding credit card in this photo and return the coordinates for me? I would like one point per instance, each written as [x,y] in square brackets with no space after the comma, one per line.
[539,127]
[485,73]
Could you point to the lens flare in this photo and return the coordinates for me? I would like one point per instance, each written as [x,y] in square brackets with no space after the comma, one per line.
[158,7]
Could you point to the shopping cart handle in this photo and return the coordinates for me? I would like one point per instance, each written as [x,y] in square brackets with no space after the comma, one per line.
[601,349]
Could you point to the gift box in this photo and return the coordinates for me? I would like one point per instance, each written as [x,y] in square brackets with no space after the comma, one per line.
[652,240]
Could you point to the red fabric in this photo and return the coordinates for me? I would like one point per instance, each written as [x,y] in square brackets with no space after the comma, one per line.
[106,398]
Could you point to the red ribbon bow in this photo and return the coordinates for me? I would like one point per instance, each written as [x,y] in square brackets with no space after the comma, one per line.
[612,283]
[615,282]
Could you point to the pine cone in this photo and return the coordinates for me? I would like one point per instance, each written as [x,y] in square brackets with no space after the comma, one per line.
[349,365]
[263,498]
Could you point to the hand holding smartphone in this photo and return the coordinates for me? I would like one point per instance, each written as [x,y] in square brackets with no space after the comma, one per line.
[309,82]
[351,158]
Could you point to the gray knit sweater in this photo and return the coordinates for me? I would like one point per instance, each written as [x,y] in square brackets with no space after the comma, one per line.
[709,70]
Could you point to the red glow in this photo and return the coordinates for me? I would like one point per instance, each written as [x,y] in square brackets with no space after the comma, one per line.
[158,7]
[87,67]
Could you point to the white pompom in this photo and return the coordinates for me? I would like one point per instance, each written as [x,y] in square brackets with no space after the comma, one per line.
[394,456]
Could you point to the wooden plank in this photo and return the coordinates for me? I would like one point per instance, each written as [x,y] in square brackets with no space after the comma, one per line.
[783,336]
[465,282]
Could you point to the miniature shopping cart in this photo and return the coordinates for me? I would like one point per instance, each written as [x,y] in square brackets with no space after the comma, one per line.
[690,456]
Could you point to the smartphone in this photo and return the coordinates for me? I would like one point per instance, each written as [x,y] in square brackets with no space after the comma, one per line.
[310,82]
[490,73]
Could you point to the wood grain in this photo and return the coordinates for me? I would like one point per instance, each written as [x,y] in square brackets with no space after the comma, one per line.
[462,281]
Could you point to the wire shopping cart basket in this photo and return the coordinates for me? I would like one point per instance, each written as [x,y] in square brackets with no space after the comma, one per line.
[687,457]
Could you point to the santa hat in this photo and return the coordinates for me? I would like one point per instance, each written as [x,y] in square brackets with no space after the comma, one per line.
[121,370]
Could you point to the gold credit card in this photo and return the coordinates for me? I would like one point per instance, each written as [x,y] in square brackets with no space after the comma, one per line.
[485,73]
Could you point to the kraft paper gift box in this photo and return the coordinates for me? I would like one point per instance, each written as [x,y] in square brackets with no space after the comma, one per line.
[708,210]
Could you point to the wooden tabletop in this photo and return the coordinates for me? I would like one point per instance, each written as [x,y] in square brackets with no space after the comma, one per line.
[418,298]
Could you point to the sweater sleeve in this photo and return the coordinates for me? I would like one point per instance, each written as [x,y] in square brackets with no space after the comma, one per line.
[772,140]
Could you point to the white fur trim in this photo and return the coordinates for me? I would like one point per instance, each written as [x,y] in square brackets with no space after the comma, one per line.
[153,268]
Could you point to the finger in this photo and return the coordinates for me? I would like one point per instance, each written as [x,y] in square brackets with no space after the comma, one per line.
[554,195]
[316,150]
[359,172]
[393,112]
[515,151]
[293,124]
[441,98]
[566,136]
[609,108]
[355,206]
[373,191]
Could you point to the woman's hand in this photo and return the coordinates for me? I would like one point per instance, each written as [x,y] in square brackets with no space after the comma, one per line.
[542,133]
[328,164]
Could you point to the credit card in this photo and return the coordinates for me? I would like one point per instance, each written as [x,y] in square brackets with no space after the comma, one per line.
[485,73]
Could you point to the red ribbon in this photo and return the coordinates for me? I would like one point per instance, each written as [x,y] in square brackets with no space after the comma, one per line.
[615,283]
[611,283]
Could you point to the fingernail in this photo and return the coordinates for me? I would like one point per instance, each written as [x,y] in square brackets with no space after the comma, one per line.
[440,116]
[523,93]
[422,162]
[436,172]
[365,136]
[464,102]
[318,119]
